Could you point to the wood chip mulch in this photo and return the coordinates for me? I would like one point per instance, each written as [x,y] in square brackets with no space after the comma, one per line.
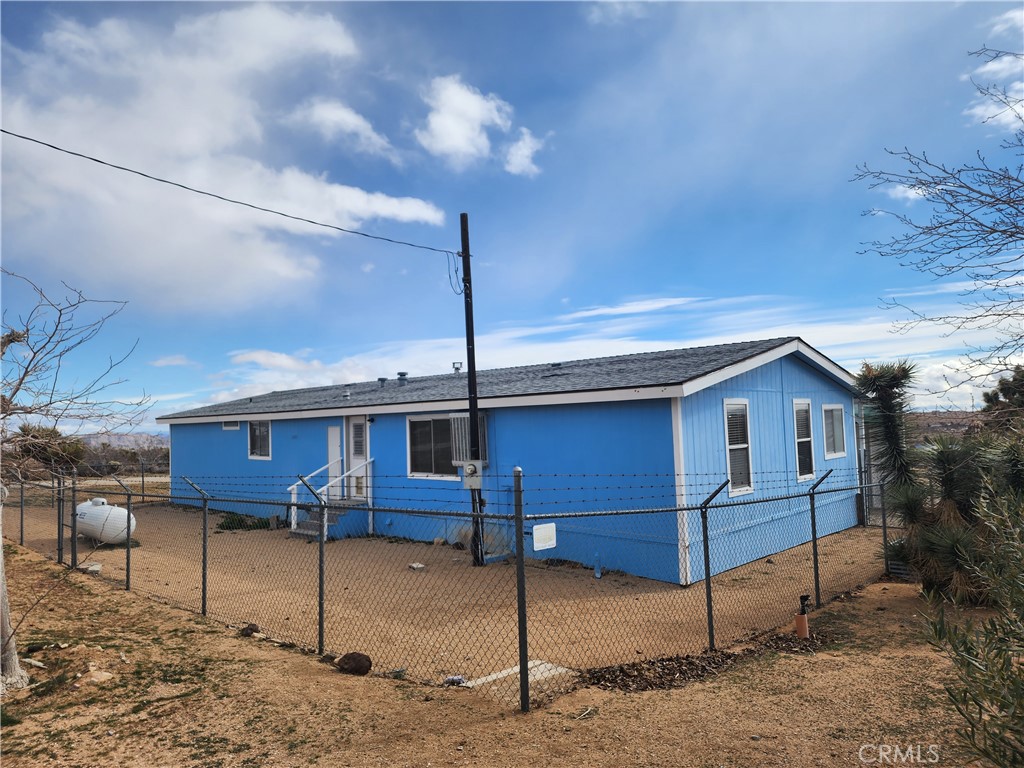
[677,671]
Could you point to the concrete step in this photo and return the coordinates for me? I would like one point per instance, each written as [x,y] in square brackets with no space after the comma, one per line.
[310,528]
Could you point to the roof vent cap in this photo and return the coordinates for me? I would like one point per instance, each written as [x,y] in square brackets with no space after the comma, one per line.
[382,380]
[403,378]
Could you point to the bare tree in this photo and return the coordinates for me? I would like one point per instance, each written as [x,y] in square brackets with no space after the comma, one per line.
[35,349]
[974,232]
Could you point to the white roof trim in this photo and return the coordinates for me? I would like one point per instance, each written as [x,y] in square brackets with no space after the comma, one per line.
[798,346]
[552,398]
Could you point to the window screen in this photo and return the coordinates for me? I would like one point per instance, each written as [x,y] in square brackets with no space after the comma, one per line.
[738,445]
[259,439]
[835,432]
[804,445]
[430,447]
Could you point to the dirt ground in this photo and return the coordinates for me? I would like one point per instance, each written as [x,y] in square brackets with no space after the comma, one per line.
[187,691]
[448,618]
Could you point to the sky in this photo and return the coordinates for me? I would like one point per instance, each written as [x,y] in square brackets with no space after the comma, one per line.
[637,177]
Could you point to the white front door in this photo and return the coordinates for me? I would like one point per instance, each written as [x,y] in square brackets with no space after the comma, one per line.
[355,455]
[334,471]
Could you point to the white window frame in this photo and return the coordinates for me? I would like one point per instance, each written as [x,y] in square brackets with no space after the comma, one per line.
[741,490]
[824,436]
[408,450]
[248,438]
[230,425]
[798,401]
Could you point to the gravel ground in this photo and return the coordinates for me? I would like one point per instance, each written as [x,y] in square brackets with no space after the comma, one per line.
[449,619]
[184,691]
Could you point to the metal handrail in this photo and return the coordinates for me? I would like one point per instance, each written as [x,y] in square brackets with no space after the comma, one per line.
[293,507]
[315,472]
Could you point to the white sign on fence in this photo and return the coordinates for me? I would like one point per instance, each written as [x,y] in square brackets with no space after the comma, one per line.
[543,537]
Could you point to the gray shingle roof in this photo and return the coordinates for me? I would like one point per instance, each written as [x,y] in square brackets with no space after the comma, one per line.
[647,369]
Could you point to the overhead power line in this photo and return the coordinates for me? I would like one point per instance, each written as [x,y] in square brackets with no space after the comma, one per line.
[450,254]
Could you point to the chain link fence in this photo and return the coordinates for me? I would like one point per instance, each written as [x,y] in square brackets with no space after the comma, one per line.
[601,576]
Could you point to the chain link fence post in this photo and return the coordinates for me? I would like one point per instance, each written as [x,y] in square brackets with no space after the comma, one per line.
[206,552]
[60,519]
[321,580]
[74,518]
[206,542]
[322,565]
[707,563]
[128,545]
[814,540]
[885,531]
[524,654]
[128,535]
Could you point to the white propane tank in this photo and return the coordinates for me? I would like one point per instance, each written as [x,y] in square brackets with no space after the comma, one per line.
[101,522]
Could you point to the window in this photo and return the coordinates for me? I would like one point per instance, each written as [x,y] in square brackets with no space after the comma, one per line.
[430,447]
[737,442]
[804,443]
[259,439]
[229,425]
[835,431]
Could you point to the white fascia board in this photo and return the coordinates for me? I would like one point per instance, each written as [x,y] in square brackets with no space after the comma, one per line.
[790,347]
[555,398]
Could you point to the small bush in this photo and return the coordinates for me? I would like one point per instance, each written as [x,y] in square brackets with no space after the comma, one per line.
[989,657]
[232,521]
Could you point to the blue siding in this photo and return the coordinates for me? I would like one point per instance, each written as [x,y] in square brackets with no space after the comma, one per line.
[549,443]
[602,439]
[592,457]
[745,533]
[217,460]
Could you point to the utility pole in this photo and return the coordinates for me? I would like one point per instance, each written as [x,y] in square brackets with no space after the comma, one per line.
[477,540]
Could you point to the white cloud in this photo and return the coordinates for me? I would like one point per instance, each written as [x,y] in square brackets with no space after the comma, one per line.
[188,104]
[905,193]
[959,286]
[1004,72]
[368,267]
[999,68]
[1002,116]
[332,119]
[611,12]
[277,361]
[1012,21]
[848,336]
[630,308]
[173,360]
[519,157]
[458,119]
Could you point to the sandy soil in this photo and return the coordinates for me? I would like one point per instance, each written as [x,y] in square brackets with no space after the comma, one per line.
[449,618]
[185,691]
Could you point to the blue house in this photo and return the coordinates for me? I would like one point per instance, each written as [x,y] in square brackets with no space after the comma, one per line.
[634,439]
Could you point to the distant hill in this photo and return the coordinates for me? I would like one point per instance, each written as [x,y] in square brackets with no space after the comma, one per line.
[922,424]
[129,441]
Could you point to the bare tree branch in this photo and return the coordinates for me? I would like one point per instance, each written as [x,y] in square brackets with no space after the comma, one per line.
[36,348]
[974,232]
[39,405]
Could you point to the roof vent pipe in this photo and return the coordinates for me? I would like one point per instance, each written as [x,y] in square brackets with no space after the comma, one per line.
[382,380]
[347,395]
[402,378]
